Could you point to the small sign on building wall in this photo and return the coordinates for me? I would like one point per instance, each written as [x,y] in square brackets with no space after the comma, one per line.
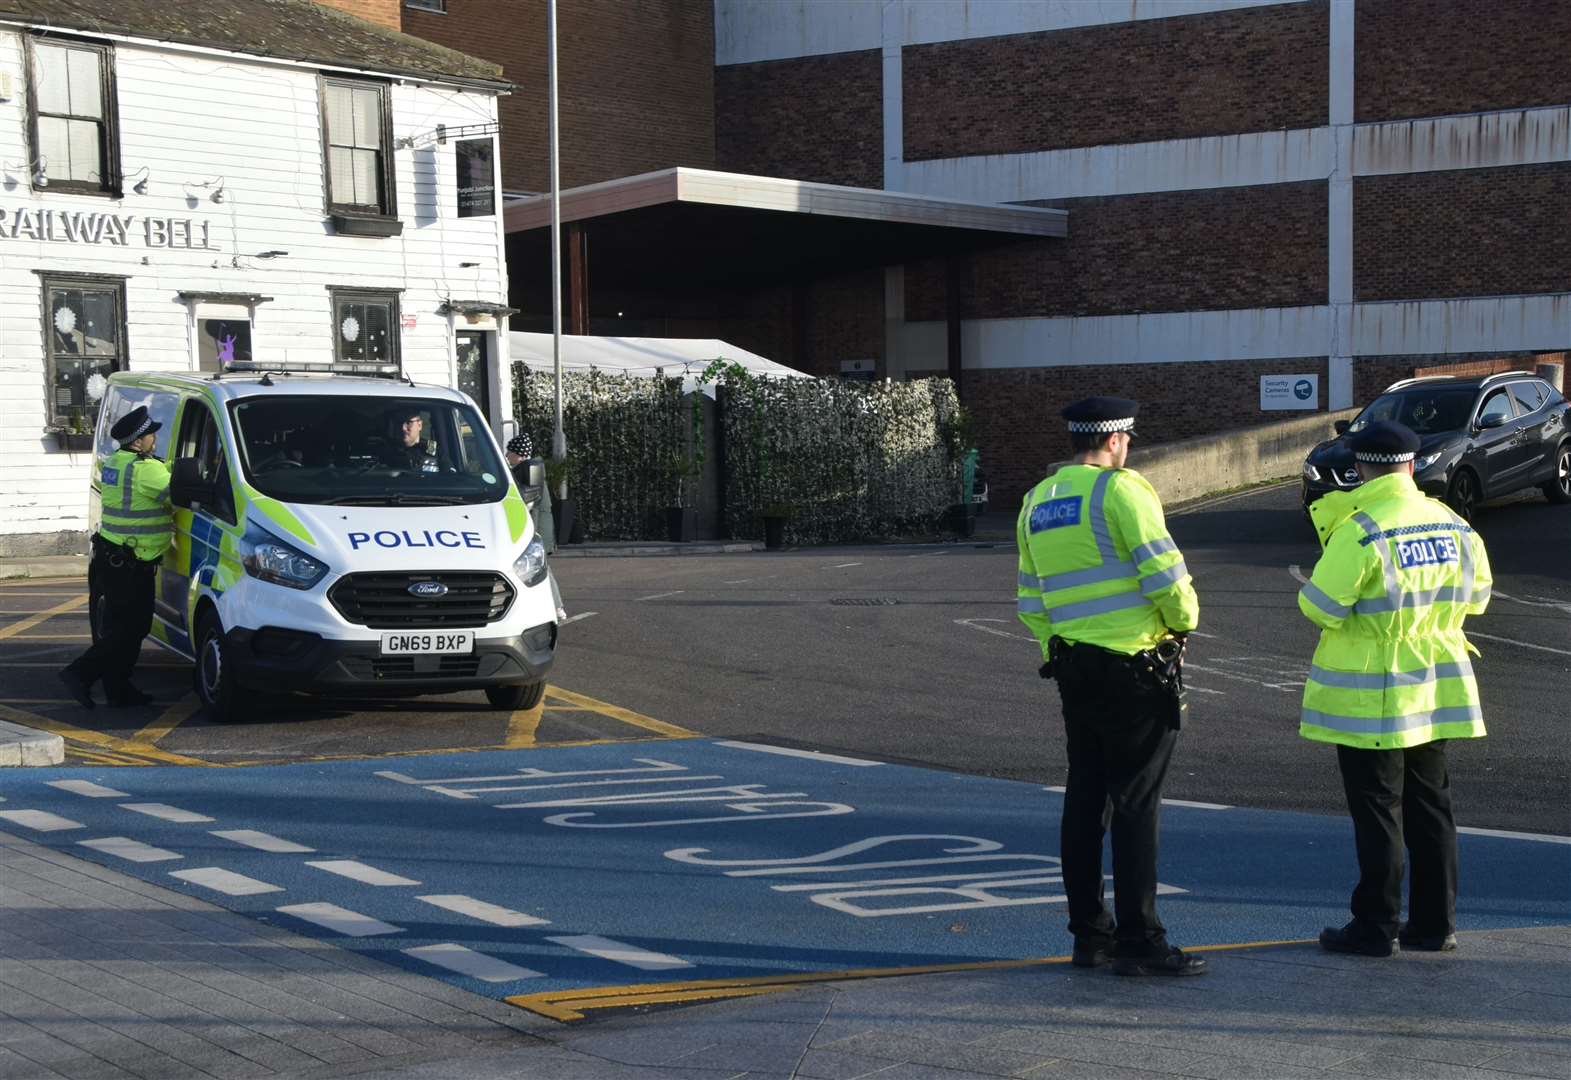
[1289,392]
[865,370]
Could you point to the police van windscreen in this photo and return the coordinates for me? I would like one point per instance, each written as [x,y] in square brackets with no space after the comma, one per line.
[1425,409]
[367,451]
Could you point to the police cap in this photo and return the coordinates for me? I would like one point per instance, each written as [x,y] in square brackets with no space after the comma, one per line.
[133,425]
[1102,416]
[1385,442]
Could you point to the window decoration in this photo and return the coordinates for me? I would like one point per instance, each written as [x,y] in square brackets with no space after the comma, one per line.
[85,342]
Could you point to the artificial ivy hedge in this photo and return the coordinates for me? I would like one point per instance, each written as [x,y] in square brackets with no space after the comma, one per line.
[838,460]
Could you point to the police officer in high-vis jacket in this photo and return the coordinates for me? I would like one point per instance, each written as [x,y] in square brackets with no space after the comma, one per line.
[1104,589]
[134,531]
[1391,682]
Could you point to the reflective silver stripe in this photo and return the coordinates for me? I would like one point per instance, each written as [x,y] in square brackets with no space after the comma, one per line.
[1380,680]
[1479,596]
[1384,605]
[1372,530]
[1099,529]
[155,512]
[1086,608]
[1097,574]
[1030,605]
[1318,597]
[1391,725]
[1163,578]
[141,530]
[1153,549]
[1029,581]
[125,486]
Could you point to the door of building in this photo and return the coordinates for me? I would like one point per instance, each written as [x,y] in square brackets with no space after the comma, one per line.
[474,368]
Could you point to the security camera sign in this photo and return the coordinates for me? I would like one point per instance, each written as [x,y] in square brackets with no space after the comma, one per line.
[1289,392]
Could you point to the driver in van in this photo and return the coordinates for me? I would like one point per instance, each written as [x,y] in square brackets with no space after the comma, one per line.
[406,447]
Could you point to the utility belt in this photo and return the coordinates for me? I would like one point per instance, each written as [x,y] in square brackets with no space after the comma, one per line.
[1161,668]
[121,556]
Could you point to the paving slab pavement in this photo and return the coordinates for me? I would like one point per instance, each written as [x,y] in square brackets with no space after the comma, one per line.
[103,975]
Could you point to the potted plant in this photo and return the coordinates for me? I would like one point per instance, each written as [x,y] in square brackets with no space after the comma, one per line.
[73,433]
[564,509]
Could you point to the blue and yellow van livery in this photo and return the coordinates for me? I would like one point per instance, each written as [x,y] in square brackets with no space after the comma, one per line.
[339,534]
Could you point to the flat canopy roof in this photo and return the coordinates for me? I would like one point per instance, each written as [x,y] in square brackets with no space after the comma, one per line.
[704,226]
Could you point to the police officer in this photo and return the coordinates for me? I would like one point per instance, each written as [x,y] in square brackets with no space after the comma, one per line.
[1104,589]
[406,448]
[135,529]
[1391,682]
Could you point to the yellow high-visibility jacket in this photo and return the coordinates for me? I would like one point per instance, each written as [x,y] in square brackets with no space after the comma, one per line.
[1097,564]
[135,498]
[1399,573]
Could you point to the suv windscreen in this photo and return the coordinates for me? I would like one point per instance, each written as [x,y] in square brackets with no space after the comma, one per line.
[1426,410]
[367,451]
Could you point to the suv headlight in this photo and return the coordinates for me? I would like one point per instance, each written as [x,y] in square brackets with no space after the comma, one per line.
[1427,460]
[1311,472]
[530,566]
[268,558]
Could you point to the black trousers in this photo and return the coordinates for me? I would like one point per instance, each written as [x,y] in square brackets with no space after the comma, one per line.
[1402,799]
[126,583]
[1119,746]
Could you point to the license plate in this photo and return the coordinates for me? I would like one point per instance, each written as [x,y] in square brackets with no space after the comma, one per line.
[429,642]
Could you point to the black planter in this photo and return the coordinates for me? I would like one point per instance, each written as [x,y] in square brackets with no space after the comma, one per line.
[774,532]
[961,520]
[74,442]
[569,530]
[679,523]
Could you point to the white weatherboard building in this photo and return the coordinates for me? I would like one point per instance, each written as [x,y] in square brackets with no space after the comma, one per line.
[185,186]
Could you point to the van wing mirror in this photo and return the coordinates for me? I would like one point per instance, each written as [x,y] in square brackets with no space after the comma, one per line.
[186,485]
[535,472]
[1341,426]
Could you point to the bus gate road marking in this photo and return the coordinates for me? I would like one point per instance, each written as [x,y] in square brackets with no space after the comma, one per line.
[166,812]
[88,788]
[711,869]
[41,820]
[134,850]
[359,871]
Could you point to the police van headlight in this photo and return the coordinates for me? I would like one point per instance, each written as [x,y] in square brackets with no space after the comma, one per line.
[530,566]
[268,558]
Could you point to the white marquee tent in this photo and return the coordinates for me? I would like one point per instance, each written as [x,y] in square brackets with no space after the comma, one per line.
[643,356]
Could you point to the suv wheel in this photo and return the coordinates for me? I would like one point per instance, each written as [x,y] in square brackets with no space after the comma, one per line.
[1558,489]
[1462,495]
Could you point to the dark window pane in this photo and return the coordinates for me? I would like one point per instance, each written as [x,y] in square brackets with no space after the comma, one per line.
[378,318]
[101,322]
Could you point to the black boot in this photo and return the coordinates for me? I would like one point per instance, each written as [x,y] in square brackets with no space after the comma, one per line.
[1357,938]
[128,697]
[1409,939]
[78,687]
[1171,961]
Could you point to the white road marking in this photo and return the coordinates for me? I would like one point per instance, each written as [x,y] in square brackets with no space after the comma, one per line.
[575,618]
[131,850]
[1547,838]
[1298,574]
[786,751]
[1199,634]
[165,812]
[737,581]
[262,841]
[661,595]
[225,881]
[619,953]
[927,554]
[1535,601]
[41,820]
[1166,802]
[89,789]
[1523,644]
[475,965]
[340,920]
[479,909]
[359,871]
[843,565]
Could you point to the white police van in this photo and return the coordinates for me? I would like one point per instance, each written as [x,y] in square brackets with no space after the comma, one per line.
[339,534]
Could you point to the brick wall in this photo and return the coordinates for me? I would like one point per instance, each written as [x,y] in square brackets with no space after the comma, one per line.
[1437,57]
[1372,374]
[636,83]
[1257,69]
[1020,432]
[1465,232]
[817,118]
[845,321]
[386,12]
[1166,251]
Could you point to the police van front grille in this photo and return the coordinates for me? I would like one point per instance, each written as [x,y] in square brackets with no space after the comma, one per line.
[382,600]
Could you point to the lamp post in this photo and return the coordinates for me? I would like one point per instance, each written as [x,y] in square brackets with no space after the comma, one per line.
[558,436]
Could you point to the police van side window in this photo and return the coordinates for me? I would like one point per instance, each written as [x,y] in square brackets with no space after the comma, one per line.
[161,405]
[199,440]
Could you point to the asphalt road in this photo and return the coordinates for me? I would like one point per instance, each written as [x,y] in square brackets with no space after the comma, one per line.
[908,654]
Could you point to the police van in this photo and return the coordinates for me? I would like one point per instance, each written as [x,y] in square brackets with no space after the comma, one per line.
[338,534]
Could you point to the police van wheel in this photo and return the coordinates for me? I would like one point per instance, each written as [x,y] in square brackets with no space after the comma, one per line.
[518,696]
[215,683]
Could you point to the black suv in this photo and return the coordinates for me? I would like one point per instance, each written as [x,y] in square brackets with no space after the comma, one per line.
[1480,438]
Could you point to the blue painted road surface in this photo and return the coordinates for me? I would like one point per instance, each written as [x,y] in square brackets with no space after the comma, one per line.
[543,871]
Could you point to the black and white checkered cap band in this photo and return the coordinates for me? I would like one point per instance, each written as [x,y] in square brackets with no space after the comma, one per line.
[1101,427]
[149,422]
[1384,459]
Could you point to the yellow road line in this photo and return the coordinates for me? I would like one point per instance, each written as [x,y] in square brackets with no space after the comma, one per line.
[172,717]
[96,739]
[55,637]
[27,624]
[521,727]
[571,1005]
[627,716]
